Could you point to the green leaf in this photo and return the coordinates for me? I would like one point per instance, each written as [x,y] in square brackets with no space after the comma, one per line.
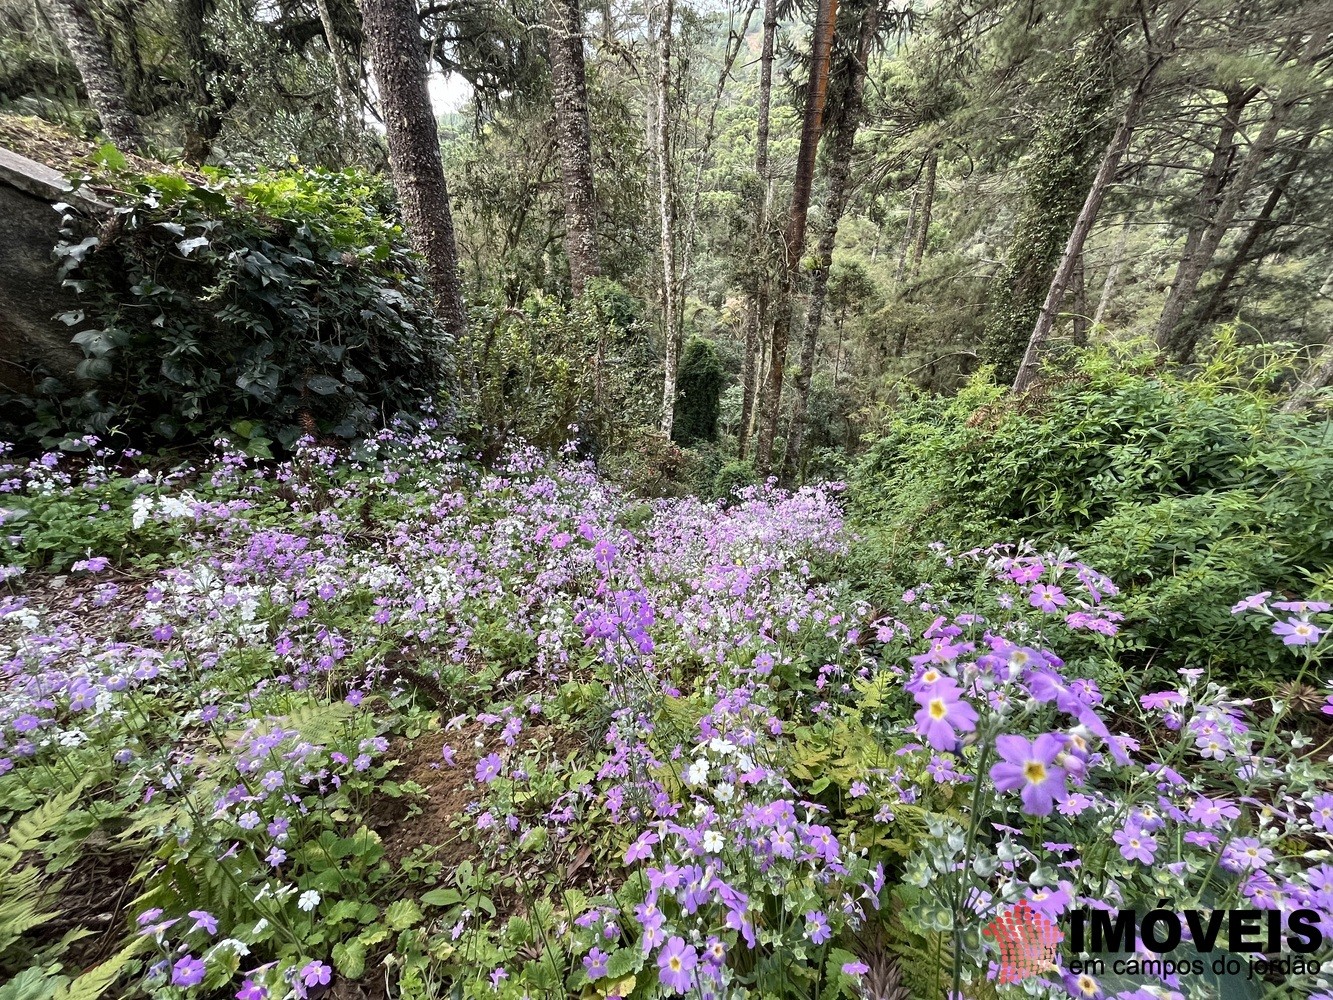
[624,961]
[441,897]
[110,157]
[402,914]
[349,958]
[324,385]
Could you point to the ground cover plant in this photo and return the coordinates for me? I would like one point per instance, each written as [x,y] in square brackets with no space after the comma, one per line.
[386,723]
[1190,488]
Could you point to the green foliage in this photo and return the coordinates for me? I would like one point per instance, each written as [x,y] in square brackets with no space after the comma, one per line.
[1060,166]
[258,307]
[699,386]
[1189,493]
[56,528]
[550,366]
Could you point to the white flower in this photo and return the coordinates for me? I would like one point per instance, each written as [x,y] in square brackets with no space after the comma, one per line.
[142,507]
[698,772]
[724,792]
[712,841]
[719,745]
[308,901]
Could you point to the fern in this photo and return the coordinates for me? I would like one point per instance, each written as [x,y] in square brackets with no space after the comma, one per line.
[319,723]
[30,828]
[92,984]
[925,960]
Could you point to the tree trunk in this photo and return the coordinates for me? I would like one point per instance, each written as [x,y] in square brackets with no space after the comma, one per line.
[1243,254]
[923,217]
[751,369]
[398,58]
[735,39]
[1193,267]
[101,78]
[794,237]
[843,132]
[573,140]
[204,120]
[347,95]
[1041,332]
[1080,306]
[1190,266]
[764,110]
[672,328]
[909,232]
[1113,271]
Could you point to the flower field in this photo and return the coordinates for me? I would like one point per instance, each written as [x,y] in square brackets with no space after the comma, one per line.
[387,725]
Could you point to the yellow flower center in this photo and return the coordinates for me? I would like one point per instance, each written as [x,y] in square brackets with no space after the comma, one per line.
[1034,771]
[937,710]
[674,962]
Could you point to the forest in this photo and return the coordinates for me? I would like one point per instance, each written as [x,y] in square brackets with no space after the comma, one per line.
[733,499]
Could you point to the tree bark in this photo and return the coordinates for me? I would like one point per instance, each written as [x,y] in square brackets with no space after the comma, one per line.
[1190,265]
[204,121]
[101,77]
[923,217]
[909,232]
[794,237]
[843,132]
[573,140]
[672,329]
[1041,332]
[398,58]
[1080,306]
[751,368]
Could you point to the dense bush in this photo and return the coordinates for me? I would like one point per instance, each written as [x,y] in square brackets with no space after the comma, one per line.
[553,372]
[1190,493]
[700,382]
[257,307]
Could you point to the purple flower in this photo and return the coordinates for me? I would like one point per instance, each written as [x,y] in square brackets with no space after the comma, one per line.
[943,712]
[1031,768]
[854,968]
[148,916]
[641,848]
[489,767]
[1321,812]
[1251,603]
[251,990]
[675,963]
[1047,597]
[1303,607]
[498,975]
[316,974]
[1296,632]
[594,963]
[1135,844]
[816,927]
[188,971]
[204,921]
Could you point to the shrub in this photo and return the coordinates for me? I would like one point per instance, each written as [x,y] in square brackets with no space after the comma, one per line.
[699,384]
[258,307]
[1190,493]
[550,367]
